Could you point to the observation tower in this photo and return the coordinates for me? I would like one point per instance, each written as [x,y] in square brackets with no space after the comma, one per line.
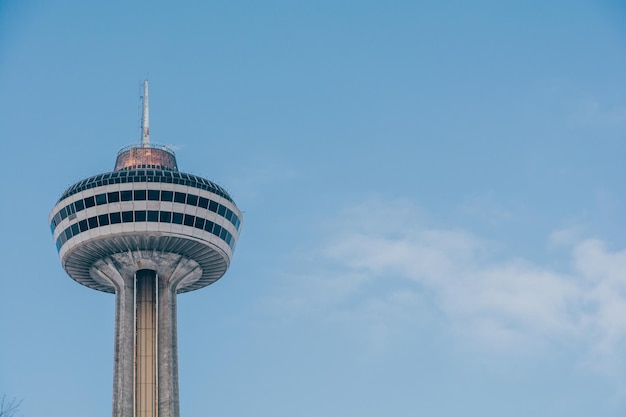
[145,232]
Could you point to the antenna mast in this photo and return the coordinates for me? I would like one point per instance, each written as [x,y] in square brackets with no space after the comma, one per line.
[145,118]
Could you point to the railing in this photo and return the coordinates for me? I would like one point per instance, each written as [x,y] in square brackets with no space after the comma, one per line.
[150,145]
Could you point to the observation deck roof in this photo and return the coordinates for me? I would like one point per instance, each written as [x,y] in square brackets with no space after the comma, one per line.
[146,174]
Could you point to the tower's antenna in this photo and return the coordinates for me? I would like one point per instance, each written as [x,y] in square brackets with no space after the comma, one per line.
[145,118]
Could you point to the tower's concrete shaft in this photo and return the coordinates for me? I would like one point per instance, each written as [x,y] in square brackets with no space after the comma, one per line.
[146,368]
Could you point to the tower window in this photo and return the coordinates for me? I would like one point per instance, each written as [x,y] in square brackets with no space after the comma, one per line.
[153,195]
[127,216]
[116,218]
[167,195]
[179,197]
[140,195]
[113,197]
[101,199]
[126,195]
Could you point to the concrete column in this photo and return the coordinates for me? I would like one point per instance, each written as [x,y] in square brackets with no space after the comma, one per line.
[123,388]
[168,351]
[145,382]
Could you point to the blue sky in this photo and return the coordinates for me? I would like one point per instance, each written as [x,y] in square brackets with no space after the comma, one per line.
[432,191]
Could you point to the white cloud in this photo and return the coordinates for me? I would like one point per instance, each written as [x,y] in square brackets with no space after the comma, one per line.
[382,265]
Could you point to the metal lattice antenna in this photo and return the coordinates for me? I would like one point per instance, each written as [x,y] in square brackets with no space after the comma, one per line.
[145,118]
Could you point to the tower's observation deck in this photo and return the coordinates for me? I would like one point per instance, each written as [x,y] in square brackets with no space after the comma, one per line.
[146,232]
[145,217]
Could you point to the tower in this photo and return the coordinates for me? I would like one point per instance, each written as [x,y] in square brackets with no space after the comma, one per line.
[145,232]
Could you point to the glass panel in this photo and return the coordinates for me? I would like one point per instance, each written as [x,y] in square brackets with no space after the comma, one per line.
[113,197]
[189,220]
[93,222]
[199,224]
[101,199]
[167,195]
[126,195]
[116,218]
[153,195]
[223,233]
[90,202]
[213,206]
[208,226]
[203,202]
[140,216]
[74,229]
[82,225]
[63,213]
[153,215]
[221,210]
[140,195]
[192,200]
[127,216]
[179,197]
[177,218]
[165,217]
[79,205]
[217,229]
[103,219]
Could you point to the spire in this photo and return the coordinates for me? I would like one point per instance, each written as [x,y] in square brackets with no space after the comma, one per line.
[145,119]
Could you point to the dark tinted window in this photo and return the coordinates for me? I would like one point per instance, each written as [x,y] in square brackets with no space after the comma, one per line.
[192,199]
[189,220]
[126,195]
[177,218]
[221,211]
[203,202]
[140,194]
[167,195]
[90,202]
[101,199]
[165,217]
[82,225]
[217,229]
[153,195]
[93,222]
[199,224]
[103,219]
[153,216]
[127,216]
[213,206]
[113,197]
[80,205]
[74,229]
[208,226]
[116,218]
[179,197]
[140,216]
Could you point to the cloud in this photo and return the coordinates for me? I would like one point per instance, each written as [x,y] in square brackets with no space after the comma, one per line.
[593,112]
[382,267]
